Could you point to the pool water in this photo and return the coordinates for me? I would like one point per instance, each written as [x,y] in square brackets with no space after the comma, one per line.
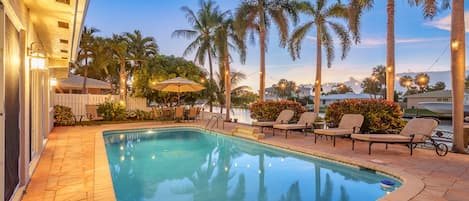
[189,164]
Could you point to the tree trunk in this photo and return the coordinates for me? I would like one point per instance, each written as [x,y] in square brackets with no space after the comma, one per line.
[390,53]
[317,82]
[211,80]
[85,76]
[226,60]
[458,62]
[123,82]
[262,53]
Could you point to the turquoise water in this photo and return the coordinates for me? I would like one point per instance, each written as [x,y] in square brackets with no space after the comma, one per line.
[190,164]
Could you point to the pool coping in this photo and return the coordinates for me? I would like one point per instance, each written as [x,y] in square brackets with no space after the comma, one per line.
[104,189]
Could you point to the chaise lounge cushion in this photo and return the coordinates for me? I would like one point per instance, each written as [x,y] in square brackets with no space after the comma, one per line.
[306,120]
[283,118]
[347,124]
[289,126]
[334,131]
[381,137]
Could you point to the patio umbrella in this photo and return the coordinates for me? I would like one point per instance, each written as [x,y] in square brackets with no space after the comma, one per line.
[178,85]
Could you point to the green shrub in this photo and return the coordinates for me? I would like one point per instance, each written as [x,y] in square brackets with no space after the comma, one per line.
[63,115]
[380,115]
[111,111]
[269,110]
[139,115]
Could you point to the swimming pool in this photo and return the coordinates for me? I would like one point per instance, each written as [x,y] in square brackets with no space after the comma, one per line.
[190,164]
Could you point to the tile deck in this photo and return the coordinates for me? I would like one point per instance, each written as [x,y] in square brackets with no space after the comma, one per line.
[74,166]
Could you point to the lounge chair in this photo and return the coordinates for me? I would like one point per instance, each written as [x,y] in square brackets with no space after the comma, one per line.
[416,131]
[306,121]
[349,124]
[283,118]
[193,112]
[179,113]
[92,112]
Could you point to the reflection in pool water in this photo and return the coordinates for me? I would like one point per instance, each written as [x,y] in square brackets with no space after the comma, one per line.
[188,164]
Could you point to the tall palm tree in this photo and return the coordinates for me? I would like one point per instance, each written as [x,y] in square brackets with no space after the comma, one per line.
[85,52]
[256,16]
[120,48]
[226,38]
[323,17]
[458,61]
[140,48]
[203,23]
[430,9]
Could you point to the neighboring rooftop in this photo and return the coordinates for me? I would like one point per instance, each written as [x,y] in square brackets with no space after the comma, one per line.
[76,81]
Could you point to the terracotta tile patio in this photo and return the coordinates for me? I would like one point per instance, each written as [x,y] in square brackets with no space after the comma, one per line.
[74,164]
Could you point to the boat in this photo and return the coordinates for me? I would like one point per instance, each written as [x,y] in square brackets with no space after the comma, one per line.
[441,107]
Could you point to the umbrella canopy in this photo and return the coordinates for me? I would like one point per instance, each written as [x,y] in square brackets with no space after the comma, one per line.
[178,84]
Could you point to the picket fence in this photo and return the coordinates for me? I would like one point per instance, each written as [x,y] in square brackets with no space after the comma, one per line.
[78,101]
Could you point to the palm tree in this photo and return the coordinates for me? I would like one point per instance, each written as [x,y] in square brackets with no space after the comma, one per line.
[430,9]
[324,17]
[102,58]
[140,48]
[226,38]
[120,48]
[85,52]
[422,80]
[458,61]
[203,24]
[405,81]
[256,16]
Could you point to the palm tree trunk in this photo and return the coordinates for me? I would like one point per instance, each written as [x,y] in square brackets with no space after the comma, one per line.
[262,53]
[390,53]
[458,54]
[227,85]
[317,82]
[122,81]
[85,76]
[211,79]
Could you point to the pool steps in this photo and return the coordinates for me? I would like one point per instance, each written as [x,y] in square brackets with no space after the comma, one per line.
[247,132]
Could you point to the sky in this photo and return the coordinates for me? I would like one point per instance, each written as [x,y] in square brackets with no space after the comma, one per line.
[421,44]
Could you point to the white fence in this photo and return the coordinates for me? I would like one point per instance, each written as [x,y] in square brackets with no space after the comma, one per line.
[78,101]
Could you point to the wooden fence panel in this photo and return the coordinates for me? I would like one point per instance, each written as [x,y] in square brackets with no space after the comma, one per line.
[78,101]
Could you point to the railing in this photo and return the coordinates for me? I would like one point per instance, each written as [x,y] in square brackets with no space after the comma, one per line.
[216,118]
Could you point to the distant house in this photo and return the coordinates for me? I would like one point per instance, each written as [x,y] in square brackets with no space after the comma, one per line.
[305,90]
[432,96]
[328,99]
[74,85]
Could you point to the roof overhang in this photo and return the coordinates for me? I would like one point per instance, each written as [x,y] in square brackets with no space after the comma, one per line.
[58,25]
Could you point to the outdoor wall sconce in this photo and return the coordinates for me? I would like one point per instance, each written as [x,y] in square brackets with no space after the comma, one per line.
[53,82]
[38,60]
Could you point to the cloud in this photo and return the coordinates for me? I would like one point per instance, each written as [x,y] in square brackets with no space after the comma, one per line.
[311,38]
[373,42]
[444,23]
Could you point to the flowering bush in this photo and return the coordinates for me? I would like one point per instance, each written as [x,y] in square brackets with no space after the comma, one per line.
[269,110]
[111,111]
[380,115]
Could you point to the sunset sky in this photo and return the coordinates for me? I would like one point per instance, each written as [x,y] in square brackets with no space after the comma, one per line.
[421,44]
